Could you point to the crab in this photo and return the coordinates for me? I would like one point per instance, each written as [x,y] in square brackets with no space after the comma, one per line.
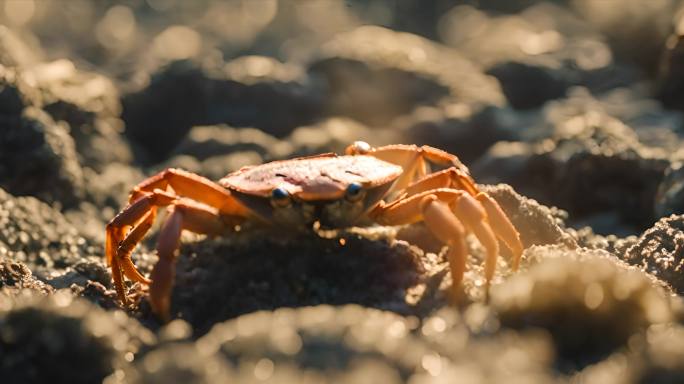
[391,185]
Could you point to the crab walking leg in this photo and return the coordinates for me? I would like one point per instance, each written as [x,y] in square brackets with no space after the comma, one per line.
[409,159]
[449,230]
[111,239]
[164,272]
[189,216]
[448,178]
[133,215]
[412,158]
[123,252]
[454,202]
[192,186]
[475,217]
[503,227]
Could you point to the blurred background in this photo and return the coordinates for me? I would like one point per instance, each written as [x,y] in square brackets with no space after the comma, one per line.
[574,103]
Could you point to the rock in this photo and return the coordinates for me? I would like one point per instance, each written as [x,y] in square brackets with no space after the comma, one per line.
[350,344]
[14,52]
[39,236]
[258,269]
[462,130]
[671,77]
[176,363]
[654,356]
[15,92]
[527,86]
[37,155]
[335,135]
[655,126]
[214,151]
[536,54]
[473,348]
[588,164]
[249,92]
[629,26]
[42,338]
[373,74]
[660,360]
[111,186]
[38,158]
[537,224]
[660,251]
[15,277]
[588,301]
[670,196]
[586,238]
[284,344]
[89,103]
[204,142]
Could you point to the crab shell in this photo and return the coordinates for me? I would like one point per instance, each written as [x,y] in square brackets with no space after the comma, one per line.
[317,187]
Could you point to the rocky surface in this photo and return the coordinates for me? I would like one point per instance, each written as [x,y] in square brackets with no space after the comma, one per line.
[660,251]
[588,301]
[247,92]
[558,112]
[584,160]
[61,338]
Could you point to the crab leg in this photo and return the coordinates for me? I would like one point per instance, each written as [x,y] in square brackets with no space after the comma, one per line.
[503,227]
[111,240]
[449,230]
[412,158]
[136,215]
[408,157]
[454,178]
[223,212]
[125,249]
[437,208]
[192,186]
[448,178]
[188,216]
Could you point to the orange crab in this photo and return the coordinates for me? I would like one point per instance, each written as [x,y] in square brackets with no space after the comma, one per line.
[391,185]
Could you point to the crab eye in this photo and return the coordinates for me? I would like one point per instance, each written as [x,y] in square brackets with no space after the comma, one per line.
[358,148]
[355,192]
[280,197]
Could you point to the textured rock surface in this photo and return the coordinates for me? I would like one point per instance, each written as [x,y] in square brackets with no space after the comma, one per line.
[670,195]
[374,74]
[59,338]
[16,277]
[90,104]
[39,236]
[589,302]
[560,51]
[660,251]
[263,270]
[37,155]
[584,161]
[348,344]
[253,92]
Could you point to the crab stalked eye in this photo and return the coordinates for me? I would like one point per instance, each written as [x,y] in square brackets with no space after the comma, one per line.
[355,192]
[280,197]
[358,148]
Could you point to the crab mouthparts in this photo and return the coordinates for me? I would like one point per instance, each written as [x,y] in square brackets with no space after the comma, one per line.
[335,213]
